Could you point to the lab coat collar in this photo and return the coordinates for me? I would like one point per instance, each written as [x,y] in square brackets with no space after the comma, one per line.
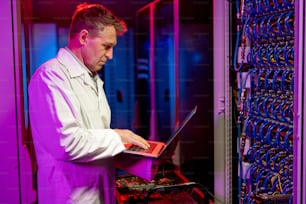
[74,67]
[70,61]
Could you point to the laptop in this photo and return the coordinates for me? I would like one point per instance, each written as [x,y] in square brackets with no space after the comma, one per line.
[157,148]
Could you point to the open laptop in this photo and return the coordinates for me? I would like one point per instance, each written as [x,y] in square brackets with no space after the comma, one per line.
[157,148]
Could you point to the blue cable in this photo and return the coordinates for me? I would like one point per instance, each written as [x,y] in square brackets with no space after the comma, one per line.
[291,199]
[262,28]
[292,84]
[271,139]
[286,79]
[276,159]
[281,24]
[268,100]
[269,79]
[261,83]
[274,185]
[280,139]
[289,23]
[289,57]
[270,30]
[279,109]
[274,106]
[255,133]
[287,108]
[270,8]
[267,180]
[288,138]
[271,152]
[263,131]
[276,84]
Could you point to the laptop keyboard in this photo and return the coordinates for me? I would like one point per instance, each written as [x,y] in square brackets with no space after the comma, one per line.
[139,149]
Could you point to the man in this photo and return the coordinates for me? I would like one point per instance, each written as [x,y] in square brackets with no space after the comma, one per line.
[70,115]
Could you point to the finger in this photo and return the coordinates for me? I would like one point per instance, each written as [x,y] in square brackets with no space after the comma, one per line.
[141,142]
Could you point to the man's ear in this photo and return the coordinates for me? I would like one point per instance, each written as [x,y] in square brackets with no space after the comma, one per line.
[83,35]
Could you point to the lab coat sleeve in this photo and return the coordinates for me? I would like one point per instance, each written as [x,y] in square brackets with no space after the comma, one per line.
[57,124]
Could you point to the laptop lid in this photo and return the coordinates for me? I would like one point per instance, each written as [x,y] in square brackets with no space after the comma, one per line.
[172,139]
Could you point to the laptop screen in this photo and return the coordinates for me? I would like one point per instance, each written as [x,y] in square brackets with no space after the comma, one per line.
[180,127]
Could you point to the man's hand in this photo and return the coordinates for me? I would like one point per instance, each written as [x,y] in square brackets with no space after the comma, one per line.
[129,137]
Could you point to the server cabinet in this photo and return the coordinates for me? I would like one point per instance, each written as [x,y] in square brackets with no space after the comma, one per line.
[263,49]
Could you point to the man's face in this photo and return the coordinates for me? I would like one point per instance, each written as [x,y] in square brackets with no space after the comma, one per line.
[97,49]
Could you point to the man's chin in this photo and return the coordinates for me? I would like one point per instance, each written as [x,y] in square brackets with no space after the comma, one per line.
[101,64]
[100,67]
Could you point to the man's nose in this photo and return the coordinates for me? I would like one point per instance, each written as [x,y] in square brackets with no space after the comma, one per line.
[109,53]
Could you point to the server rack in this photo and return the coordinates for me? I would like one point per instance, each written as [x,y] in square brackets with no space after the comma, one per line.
[267,59]
[264,62]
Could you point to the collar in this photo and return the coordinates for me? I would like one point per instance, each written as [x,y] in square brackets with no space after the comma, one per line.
[73,64]
[76,68]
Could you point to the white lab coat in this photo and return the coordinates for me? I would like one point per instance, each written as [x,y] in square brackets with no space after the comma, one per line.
[73,141]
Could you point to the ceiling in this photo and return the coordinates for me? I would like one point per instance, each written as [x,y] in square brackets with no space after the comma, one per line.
[61,10]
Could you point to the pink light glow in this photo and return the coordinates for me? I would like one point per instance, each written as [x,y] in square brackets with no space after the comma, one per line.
[176,61]
[152,135]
